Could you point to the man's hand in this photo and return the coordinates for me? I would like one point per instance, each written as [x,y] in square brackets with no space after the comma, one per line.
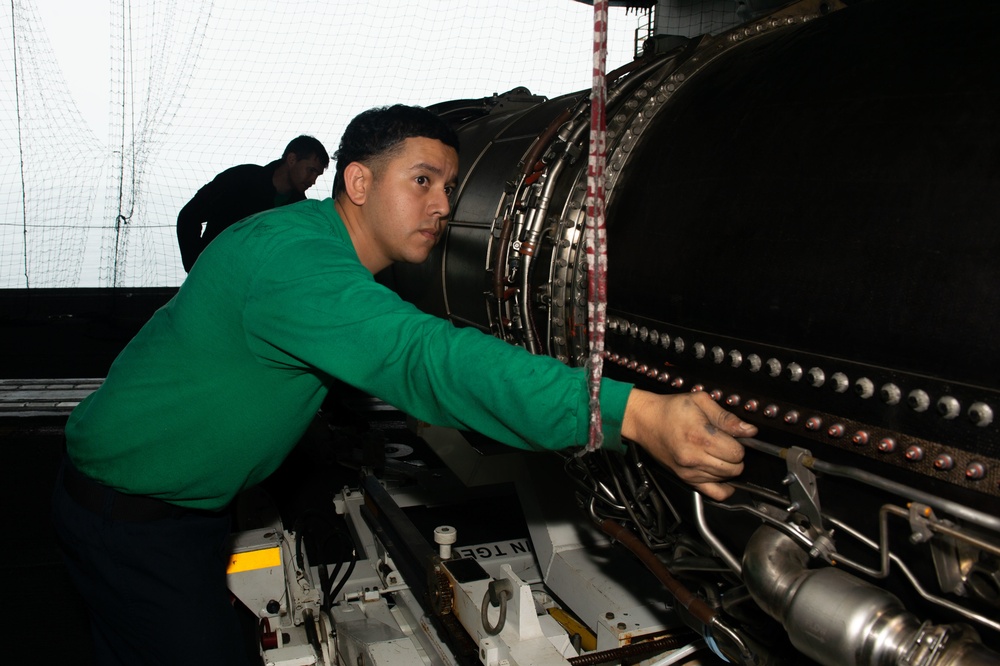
[690,434]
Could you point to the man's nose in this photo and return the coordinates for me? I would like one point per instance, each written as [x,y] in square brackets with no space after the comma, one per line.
[441,205]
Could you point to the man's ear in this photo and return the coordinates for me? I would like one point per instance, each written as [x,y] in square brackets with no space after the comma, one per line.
[357,181]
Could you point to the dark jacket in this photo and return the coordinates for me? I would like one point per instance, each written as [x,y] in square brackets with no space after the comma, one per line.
[235,193]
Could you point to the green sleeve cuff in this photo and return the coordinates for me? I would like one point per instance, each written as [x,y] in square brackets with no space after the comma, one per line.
[614,396]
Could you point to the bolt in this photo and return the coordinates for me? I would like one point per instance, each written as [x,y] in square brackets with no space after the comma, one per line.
[887,445]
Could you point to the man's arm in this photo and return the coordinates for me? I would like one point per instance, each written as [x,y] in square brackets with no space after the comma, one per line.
[690,434]
[189,222]
[218,203]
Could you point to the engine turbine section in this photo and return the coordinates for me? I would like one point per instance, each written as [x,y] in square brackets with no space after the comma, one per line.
[802,221]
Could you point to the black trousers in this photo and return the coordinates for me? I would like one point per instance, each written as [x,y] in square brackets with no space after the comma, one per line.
[153,576]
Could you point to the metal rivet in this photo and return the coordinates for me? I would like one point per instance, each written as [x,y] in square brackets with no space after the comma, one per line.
[754,362]
[771,411]
[890,394]
[860,438]
[914,454]
[840,382]
[864,387]
[792,417]
[975,471]
[735,358]
[981,414]
[944,462]
[887,445]
[918,400]
[718,353]
[751,406]
[948,407]
[699,350]
[817,377]
[794,371]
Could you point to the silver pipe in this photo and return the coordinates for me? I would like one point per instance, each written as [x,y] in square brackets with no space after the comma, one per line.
[839,620]
[914,581]
[710,538]
[536,220]
[882,547]
[680,654]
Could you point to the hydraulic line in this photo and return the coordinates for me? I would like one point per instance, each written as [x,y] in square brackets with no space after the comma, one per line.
[954,508]
[694,605]
[839,620]
[701,611]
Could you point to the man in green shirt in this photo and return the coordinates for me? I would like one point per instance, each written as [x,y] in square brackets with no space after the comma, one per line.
[216,389]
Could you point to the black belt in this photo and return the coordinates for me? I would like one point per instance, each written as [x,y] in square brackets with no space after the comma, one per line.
[96,497]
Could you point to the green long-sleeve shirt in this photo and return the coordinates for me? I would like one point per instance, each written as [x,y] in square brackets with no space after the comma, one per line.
[219,385]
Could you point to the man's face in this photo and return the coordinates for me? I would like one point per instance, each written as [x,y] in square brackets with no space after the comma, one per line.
[302,173]
[407,206]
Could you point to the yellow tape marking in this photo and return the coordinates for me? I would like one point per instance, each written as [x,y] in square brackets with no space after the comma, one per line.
[587,639]
[254,559]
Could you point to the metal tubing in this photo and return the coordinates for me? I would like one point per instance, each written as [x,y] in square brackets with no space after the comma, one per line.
[954,508]
[710,538]
[840,620]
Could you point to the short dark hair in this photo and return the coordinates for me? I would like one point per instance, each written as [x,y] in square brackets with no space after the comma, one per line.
[376,133]
[304,147]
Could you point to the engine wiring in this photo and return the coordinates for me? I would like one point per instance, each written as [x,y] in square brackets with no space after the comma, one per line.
[622,489]
[332,583]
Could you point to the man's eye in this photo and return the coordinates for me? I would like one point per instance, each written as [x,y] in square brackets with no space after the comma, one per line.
[449,190]
[422,180]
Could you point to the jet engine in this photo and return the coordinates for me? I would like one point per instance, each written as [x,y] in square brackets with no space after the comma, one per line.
[802,221]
